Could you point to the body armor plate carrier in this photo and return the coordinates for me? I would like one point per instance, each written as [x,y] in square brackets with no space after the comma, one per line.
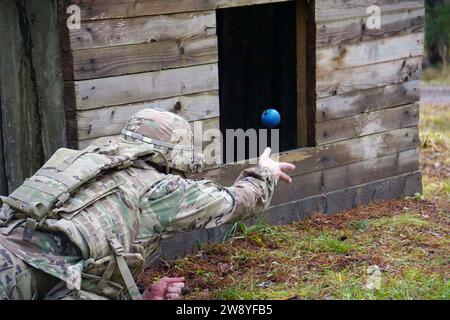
[43,195]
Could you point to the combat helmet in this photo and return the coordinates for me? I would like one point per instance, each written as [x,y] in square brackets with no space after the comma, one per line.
[171,136]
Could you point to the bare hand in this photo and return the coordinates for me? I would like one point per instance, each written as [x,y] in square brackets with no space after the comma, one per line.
[278,169]
[165,289]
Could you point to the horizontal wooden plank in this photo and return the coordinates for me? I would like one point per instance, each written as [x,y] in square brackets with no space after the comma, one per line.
[207,124]
[330,203]
[105,9]
[343,9]
[368,76]
[367,123]
[369,52]
[108,121]
[400,186]
[121,60]
[145,86]
[328,180]
[370,170]
[334,155]
[346,198]
[364,101]
[119,32]
[354,30]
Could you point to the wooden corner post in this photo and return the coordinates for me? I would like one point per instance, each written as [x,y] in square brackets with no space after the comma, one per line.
[306,80]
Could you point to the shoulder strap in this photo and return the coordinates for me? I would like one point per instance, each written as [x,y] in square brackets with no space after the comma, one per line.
[124,270]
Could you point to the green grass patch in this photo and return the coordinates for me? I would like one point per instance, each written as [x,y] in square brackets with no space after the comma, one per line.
[359,225]
[255,291]
[414,284]
[260,234]
[434,128]
[346,285]
[327,243]
[410,285]
[430,138]
[437,76]
[400,220]
[436,188]
[435,151]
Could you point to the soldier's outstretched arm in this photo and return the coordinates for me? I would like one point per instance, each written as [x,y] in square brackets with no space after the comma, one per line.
[205,204]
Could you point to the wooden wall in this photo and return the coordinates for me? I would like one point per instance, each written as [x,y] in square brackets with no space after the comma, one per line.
[363,94]
[154,54]
[366,112]
[368,87]
[32,115]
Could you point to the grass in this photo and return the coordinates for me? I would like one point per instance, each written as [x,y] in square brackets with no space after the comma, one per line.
[385,250]
[405,219]
[437,76]
[435,151]
[327,243]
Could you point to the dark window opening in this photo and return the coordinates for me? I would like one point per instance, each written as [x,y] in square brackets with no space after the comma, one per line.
[258,68]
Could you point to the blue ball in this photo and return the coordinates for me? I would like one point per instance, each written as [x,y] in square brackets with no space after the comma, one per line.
[271,118]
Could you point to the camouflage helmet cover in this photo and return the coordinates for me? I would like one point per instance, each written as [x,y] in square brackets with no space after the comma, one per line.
[170,134]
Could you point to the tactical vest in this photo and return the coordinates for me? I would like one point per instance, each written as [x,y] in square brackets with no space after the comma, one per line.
[49,193]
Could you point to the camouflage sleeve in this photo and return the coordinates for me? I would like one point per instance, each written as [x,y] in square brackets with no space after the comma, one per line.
[252,192]
[205,204]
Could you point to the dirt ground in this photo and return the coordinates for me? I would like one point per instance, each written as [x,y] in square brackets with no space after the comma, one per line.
[386,250]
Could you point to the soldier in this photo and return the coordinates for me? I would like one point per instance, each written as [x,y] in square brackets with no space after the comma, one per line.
[85,223]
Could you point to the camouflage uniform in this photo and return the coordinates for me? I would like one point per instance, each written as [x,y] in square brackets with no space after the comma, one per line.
[86,211]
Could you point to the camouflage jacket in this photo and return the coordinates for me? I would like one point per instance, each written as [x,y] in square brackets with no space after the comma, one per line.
[139,206]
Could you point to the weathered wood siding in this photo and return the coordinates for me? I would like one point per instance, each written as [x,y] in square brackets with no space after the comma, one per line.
[366,109]
[368,85]
[131,55]
[32,117]
[154,53]
[143,59]
[107,9]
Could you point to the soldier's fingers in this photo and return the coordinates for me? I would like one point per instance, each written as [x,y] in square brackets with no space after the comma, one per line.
[285,166]
[172,296]
[174,290]
[173,280]
[177,284]
[285,177]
